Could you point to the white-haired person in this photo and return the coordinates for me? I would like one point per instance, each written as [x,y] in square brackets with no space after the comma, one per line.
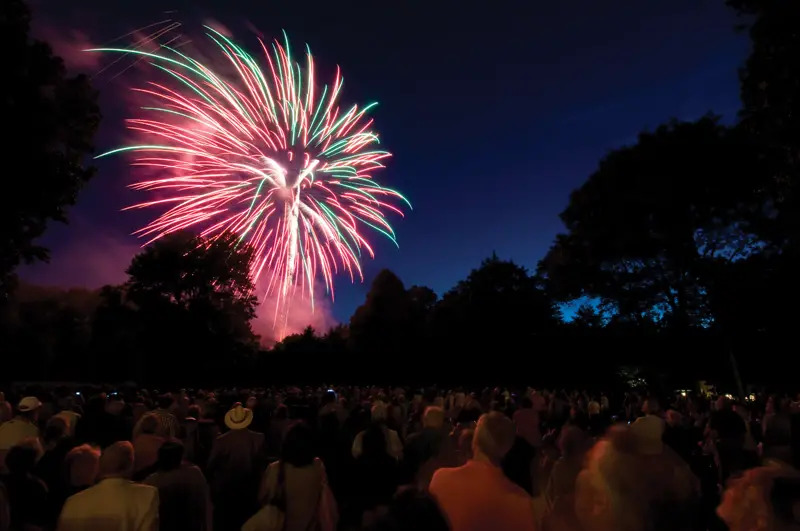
[378,415]
[477,496]
[115,502]
[632,481]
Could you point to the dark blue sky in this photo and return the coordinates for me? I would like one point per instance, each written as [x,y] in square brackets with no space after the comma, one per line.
[493,115]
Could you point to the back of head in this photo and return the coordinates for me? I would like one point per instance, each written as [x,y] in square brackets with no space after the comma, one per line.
[433,417]
[651,406]
[494,436]
[170,455]
[374,443]
[56,429]
[298,445]
[21,459]
[149,424]
[378,412]
[117,460]
[165,401]
[83,465]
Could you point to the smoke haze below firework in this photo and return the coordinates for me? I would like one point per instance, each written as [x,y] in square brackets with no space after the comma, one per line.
[492,116]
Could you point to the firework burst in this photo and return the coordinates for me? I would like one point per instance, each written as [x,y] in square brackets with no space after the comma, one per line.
[265,153]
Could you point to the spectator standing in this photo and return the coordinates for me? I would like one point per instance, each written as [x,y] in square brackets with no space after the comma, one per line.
[21,427]
[234,469]
[184,500]
[27,494]
[478,496]
[299,478]
[146,446]
[393,445]
[115,503]
[168,426]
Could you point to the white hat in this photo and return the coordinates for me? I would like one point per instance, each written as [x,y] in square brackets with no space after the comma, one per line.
[29,403]
[238,418]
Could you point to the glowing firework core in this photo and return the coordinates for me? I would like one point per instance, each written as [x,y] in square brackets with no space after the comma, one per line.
[265,154]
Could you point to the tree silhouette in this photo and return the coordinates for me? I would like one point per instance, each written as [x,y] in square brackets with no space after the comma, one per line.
[497,307]
[193,303]
[643,225]
[381,325]
[52,119]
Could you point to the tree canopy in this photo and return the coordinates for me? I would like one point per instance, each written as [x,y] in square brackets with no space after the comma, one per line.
[52,119]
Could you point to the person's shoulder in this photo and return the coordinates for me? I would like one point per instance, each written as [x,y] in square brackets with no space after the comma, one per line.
[141,490]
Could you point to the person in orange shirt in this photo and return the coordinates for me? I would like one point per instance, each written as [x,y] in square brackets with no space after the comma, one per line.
[477,496]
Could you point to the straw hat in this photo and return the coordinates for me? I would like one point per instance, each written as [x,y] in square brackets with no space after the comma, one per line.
[238,418]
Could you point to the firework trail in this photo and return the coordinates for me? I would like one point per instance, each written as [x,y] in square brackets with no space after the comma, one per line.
[265,153]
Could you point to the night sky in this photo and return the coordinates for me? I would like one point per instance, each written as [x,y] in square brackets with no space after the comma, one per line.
[493,116]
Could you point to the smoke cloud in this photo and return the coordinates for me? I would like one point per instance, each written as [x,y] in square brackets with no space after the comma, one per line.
[301,314]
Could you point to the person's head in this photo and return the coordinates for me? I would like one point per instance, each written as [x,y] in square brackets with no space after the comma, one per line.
[21,459]
[29,408]
[170,455]
[494,437]
[651,406]
[527,403]
[373,443]
[593,408]
[298,445]
[82,465]
[762,498]
[165,401]
[281,412]
[433,417]
[117,461]
[378,413]
[571,441]
[724,403]
[193,412]
[674,418]
[149,424]
[115,404]
[55,430]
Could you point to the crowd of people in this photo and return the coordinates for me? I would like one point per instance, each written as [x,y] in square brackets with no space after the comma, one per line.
[350,458]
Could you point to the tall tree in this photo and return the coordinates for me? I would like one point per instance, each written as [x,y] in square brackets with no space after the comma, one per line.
[194,302]
[498,307]
[51,121]
[382,325]
[643,226]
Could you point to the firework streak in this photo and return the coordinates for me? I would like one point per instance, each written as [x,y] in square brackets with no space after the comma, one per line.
[266,154]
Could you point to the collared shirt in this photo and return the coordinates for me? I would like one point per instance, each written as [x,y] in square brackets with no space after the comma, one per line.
[113,504]
[478,497]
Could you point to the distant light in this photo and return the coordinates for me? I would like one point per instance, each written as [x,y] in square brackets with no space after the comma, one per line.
[683,393]
[752,397]
[729,396]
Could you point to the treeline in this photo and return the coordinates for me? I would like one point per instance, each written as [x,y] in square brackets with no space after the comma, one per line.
[680,252]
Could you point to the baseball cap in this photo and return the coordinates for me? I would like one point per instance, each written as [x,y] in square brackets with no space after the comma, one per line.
[29,403]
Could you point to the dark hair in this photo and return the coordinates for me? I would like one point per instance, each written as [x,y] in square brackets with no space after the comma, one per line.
[298,445]
[373,445]
[164,401]
[21,459]
[149,424]
[56,429]
[281,412]
[527,403]
[170,455]
[193,411]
